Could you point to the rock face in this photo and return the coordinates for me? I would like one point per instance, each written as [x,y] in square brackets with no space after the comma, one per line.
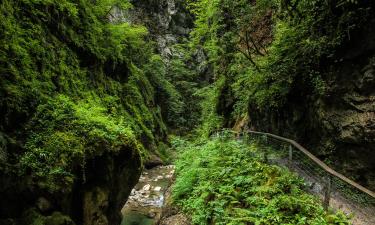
[340,126]
[168,22]
[97,200]
[109,184]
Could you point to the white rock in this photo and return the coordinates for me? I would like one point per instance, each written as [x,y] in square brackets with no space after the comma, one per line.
[157,188]
[146,187]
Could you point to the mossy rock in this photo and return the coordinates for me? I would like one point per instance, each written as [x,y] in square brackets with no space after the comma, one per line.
[57,218]
[32,217]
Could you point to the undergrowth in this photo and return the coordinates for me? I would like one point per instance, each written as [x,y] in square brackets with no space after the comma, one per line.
[226,182]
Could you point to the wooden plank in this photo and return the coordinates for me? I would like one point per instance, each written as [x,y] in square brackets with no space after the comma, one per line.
[318,161]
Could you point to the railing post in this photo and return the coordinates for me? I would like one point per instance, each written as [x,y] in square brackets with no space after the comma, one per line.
[83,168]
[290,159]
[246,137]
[327,192]
[265,156]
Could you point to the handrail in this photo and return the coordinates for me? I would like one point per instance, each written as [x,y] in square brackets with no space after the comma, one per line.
[318,161]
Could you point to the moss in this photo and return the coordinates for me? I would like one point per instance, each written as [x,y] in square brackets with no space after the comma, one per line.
[73,87]
[58,218]
[32,217]
[64,134]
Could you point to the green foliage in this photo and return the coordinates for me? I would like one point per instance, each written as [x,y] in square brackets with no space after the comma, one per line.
[210,120]
[181,73]
[166,92]
[207,24]
[42,52]
[221,181]
[269,52]
[175,85]
[73,87]
[66,133]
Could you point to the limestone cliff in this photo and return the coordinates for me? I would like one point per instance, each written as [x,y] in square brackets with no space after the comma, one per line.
[168,21]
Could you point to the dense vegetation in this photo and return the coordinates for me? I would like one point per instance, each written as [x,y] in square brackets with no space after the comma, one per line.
[263,54]
[73,85]
[299,68]
[224,181]
[78,84]
[260,55]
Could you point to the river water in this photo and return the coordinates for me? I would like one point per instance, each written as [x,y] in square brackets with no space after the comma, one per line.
[146,200]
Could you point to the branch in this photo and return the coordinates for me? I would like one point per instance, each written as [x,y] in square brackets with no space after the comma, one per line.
[254,44]
[262,46]
[250,59]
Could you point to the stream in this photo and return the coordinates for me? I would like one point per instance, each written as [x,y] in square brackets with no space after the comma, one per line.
[146,200]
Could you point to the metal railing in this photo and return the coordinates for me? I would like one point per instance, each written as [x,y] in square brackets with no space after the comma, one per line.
[336,191]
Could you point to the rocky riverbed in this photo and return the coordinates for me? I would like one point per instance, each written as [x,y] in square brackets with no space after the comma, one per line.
[145,203]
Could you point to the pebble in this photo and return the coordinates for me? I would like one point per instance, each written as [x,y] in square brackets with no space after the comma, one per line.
[157,188]
[151,214]
[146,187]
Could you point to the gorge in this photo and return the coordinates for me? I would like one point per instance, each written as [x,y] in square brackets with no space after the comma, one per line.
[94,91]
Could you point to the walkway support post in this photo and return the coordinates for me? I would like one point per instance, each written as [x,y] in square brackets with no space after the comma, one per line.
[290,159]
[327,192]
[265,152]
